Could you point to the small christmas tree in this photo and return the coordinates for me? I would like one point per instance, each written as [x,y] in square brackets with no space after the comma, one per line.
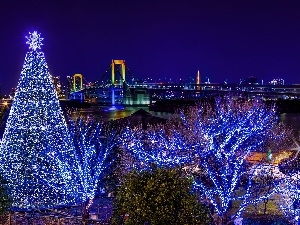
[36,144]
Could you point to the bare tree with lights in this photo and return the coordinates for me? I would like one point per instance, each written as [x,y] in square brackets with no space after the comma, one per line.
[159,144]
[213,140]
[92,148]
[223,136]
[288,190]
[94,143]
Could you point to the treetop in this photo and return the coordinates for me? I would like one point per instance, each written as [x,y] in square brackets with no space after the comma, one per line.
[34,40]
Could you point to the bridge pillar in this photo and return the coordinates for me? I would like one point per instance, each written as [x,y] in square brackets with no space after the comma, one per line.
[113,98]
[75,88]
[113,76]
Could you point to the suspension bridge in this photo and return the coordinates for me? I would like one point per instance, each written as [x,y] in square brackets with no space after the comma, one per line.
[117,86]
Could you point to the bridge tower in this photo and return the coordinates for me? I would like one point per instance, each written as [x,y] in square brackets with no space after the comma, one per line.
[76,87]
[113,76]
[198,80]
[77,82]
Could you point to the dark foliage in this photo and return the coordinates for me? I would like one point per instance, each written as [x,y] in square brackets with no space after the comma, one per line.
[158,196]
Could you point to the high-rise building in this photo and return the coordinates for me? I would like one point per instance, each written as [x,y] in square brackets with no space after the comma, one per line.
[58,86]
[277,81]
[69,86]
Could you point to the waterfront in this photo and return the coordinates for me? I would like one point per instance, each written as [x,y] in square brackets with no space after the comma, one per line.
[107,113]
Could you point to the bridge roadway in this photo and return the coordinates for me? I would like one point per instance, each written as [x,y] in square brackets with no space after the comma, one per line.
[154,91]
[216,86]
[250,90]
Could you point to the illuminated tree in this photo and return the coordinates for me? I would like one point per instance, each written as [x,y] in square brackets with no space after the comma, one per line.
[36,145]
[288,200]
[213,141]
[159,144]
[223,136]
[289,188]
[94,143]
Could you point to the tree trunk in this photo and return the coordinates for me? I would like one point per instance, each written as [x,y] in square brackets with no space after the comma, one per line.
[85,213]
[9,218]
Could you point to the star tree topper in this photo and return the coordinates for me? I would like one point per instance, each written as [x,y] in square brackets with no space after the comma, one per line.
[34,40]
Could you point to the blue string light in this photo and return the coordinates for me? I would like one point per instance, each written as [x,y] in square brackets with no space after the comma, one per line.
[215,138]
[288,200]
[92,146]
[223,137]
[36,147]
[156,146]
[34,40]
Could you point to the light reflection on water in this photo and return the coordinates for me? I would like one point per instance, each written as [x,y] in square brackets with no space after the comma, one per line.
[114,113]
[118,112]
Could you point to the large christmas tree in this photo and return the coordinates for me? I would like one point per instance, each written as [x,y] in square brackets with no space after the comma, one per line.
[36,144]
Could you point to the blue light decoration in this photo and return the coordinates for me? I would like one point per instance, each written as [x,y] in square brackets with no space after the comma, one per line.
[93,145]
[156,145]
[223,136]
[36,147]
[34,40]
[288,200]
[289,189]
[212,141]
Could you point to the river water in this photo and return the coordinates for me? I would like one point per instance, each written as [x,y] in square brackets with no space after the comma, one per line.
[117,112]
[113,113]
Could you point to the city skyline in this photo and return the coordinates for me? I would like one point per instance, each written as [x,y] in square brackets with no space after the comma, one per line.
[225,40]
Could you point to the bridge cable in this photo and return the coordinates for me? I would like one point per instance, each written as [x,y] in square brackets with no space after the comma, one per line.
[106,71]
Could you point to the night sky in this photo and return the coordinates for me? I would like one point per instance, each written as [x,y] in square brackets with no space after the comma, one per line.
[225,39]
